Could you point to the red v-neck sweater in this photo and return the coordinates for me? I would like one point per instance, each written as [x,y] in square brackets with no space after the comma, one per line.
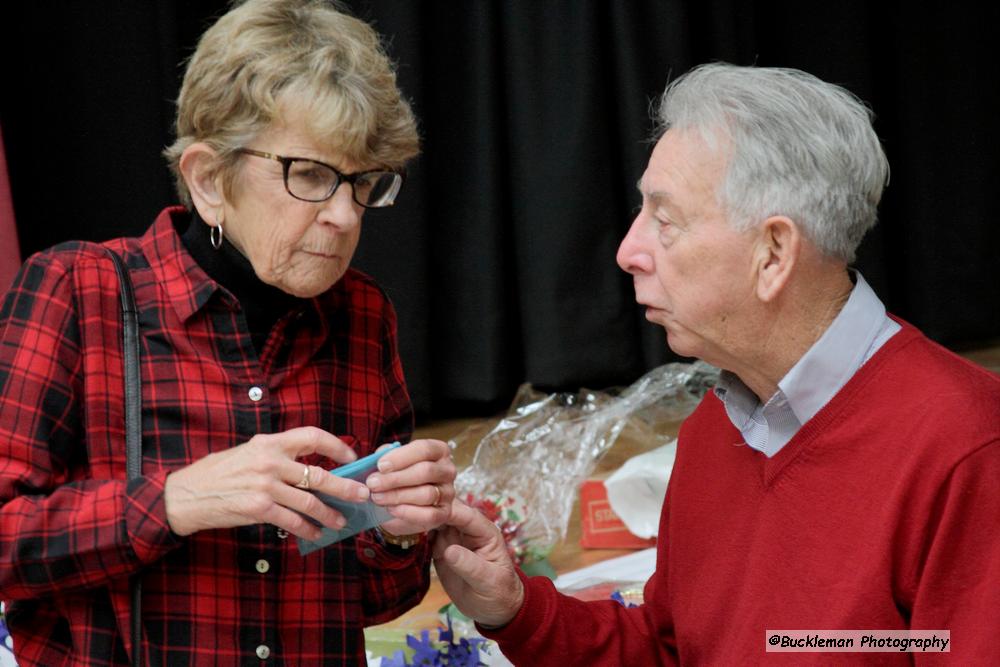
[883,512]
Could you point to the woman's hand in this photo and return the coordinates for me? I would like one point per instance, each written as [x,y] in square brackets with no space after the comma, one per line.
[260,481]
[416,484]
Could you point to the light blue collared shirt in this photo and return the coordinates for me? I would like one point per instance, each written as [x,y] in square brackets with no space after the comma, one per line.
[856,334]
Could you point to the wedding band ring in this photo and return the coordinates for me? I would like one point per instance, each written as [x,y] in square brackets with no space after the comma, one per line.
[437,500]
[304,482]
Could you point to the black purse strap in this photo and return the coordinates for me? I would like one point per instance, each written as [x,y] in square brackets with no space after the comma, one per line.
[133,425]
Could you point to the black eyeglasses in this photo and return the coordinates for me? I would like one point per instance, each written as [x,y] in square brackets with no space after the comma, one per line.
[314,181]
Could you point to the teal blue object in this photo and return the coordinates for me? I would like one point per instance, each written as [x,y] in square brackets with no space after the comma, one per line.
[360,516]
[364,466]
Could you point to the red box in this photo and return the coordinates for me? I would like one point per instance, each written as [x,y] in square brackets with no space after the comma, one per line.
[601,527]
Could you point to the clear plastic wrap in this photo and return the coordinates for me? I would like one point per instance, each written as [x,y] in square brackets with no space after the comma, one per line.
[527,468]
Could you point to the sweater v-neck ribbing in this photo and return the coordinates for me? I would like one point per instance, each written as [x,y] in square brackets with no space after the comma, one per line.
[772,467]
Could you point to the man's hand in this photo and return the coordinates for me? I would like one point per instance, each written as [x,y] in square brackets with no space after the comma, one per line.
[472,562]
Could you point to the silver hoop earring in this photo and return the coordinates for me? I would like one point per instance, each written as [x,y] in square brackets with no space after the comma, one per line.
[215,236]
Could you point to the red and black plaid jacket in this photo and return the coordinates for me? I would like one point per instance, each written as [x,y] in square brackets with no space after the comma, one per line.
[72,530]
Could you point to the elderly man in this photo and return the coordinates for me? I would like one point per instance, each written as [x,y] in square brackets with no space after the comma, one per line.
[845,472]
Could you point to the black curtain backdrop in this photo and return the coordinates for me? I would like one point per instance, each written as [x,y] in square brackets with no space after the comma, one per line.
[535,117]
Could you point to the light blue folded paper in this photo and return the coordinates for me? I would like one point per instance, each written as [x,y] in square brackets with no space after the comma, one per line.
[360,516]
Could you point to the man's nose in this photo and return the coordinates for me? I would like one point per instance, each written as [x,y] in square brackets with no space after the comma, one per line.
[633,254]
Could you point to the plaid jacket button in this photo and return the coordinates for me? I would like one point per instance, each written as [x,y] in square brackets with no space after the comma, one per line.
[255,393]
[263,652]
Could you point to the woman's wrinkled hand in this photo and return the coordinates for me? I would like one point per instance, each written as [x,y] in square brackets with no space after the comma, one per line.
[416,483]
[261,481]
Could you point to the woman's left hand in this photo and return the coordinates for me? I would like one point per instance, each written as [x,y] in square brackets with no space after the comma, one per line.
[416,484]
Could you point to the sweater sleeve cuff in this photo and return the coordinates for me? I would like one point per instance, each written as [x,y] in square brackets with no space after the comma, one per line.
[531,616]
[146,518]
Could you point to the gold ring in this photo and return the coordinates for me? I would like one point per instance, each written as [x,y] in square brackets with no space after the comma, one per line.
[304,482]
[437,501]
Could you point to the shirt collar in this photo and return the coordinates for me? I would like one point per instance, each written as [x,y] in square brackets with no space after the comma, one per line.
[739,400]
[837,355]
[186,284]
[823,369]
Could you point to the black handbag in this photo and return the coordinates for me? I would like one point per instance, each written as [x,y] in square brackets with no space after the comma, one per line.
[133,424]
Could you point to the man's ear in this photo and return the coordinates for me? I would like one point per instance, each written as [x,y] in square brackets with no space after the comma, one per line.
[199,167]
[779,244]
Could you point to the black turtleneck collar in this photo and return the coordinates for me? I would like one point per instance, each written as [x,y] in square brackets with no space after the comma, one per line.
[263,305]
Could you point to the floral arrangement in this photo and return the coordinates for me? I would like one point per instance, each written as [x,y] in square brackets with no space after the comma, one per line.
[445,652]
[508,512]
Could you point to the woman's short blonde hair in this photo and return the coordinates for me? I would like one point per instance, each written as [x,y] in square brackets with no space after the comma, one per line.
[267,60]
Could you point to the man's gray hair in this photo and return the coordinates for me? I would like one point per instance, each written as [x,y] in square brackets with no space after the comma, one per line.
[796,146]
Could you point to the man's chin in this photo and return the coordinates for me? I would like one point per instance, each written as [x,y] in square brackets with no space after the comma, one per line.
[680,344]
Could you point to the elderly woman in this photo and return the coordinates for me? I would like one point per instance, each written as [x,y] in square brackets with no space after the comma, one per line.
[265,360]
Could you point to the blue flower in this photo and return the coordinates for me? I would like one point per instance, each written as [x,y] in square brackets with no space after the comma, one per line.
[443,653]
[425,654]
[465,653]
[397,660]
